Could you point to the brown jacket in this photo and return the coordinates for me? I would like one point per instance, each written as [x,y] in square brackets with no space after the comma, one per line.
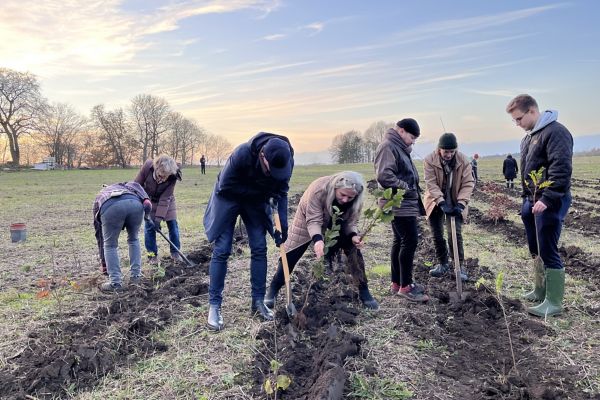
[312,216]
[462,181]
[162,195]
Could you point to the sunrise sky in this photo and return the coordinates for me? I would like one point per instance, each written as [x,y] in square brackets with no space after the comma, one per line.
[315,69]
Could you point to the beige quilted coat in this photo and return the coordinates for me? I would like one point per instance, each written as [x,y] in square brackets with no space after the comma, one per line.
[312,216]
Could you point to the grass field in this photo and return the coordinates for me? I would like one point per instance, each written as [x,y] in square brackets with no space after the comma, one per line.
[60,247]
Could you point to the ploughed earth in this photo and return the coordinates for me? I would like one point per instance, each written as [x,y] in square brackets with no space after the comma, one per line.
[480,360]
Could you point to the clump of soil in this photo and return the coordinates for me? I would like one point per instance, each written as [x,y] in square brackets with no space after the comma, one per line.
[80,351]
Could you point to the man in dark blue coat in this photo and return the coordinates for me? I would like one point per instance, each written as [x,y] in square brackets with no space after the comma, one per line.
[509,170]
[255,172]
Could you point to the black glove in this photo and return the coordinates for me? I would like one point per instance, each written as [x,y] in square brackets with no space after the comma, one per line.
[156,223]
[284,234]
[457,211]
[446,209]
[278,238]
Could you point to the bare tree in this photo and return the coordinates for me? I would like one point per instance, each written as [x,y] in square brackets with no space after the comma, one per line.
[57,128]
[348,148]
[150,115]
[20,101]
[184,136]
[373,136]
[114,131]
[217,149]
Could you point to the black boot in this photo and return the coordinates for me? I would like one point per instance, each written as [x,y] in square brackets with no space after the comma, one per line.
[439,270]
[368,300]
[259,308]
[271,295]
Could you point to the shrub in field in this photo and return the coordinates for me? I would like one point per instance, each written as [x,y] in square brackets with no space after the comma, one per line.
[500,203]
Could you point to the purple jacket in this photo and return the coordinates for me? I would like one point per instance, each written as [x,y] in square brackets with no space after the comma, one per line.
[162,195]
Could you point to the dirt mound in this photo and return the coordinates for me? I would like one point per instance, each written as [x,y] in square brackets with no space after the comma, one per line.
[313,347]
[77,352]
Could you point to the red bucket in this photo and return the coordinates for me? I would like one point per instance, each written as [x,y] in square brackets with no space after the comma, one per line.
[18,232]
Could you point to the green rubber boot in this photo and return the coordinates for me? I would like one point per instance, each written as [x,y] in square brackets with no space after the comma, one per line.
[555,291]
[539,283]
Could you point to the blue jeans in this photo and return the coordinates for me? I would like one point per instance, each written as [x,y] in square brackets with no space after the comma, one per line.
[549,225]
[115,215]
[150,237]
[253,216]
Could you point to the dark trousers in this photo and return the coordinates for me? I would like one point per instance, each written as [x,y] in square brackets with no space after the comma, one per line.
[436,223]
[549,225]
[203,169]
[403,249]
[344,243]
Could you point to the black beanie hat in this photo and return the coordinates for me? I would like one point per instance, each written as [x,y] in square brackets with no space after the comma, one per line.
[410,126]
[448,141]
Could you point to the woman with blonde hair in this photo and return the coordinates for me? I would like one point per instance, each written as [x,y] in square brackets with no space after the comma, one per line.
[343,191]
[158,178]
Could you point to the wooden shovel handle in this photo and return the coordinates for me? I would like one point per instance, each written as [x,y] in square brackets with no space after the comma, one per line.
[455,256]
[286,268]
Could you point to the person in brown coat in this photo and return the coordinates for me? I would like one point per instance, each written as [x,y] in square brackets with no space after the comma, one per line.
[449,185]
[158,178]
[314,216]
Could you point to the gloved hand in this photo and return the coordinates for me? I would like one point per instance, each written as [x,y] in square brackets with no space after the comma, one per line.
[457,210]
[445,207]
[156,222]
[277,237]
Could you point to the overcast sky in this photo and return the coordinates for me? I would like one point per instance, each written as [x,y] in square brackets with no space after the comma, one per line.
[315,69]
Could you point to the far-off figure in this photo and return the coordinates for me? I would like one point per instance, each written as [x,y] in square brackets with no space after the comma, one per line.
[203,165]
[509,170]
[474,167]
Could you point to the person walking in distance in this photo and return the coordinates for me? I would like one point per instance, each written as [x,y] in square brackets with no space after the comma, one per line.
[549,145]
[256,172]
[203,165]
[474,167]
[449,185]
[395,169]
[510,170]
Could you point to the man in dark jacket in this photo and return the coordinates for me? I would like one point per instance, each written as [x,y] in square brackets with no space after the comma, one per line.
[255,172]
[395,169]
[548,145]
[509,170]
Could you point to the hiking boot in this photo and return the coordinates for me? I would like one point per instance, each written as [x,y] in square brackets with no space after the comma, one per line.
[368,301]
[463,274]
[395,288]
[414,292]
[270,296]
[176,257]
[152,260]
[135,280]
[439,270]
[258,308]
[215,319]
[109,287]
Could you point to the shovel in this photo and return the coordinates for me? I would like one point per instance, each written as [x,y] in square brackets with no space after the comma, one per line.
[459,295]
[187,261]
[290,309]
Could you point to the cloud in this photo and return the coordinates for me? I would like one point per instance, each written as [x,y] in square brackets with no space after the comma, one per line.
[61,37]
[277,36]
[315,28]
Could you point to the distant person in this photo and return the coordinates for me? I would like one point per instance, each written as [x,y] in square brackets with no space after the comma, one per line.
[158,177]
[255,172]
[344,190]
[203,165]
[117,207]
[547,144]
[509,170]
[449,185]
[474,167]
[395,169]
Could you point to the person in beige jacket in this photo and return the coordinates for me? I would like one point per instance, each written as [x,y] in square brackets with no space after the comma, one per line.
[314,216]
[449,185]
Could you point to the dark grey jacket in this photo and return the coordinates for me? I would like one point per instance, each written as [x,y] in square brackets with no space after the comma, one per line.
[550,147]
[394,168]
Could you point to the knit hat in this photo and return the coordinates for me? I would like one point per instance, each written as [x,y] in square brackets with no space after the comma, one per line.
[448,142]
[277,153]
[410,126]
